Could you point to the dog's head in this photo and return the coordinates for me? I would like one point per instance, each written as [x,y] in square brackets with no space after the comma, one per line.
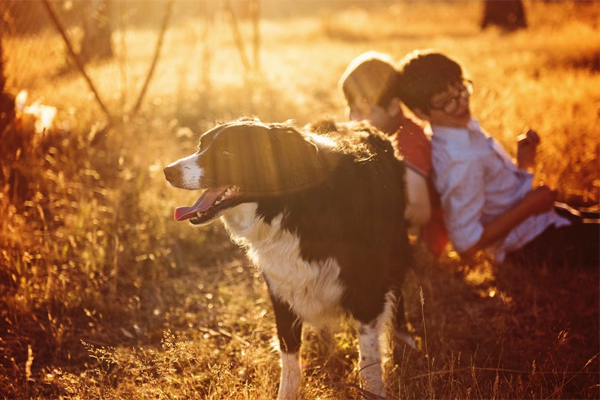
[245,161]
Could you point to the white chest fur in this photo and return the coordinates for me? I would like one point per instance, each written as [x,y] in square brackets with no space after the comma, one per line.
[313,289]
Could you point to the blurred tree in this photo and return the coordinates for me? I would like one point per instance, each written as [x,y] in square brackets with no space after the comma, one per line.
[7,101]
[2,77]
[97,31]
[506,14]
[22,17]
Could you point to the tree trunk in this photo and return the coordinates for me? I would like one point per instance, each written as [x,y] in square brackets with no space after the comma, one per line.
[97,32]
[506,14]
[7,102]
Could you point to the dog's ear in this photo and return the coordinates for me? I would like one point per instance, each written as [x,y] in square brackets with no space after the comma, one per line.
[291,144]
[322,126]
[246,118]
[300,158]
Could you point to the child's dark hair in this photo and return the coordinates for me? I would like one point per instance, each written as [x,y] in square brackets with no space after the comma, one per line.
[425,74]
[372,76]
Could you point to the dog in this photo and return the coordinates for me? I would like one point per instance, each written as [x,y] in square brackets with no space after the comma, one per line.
[320,211]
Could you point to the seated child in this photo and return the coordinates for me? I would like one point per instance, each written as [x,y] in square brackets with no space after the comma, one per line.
[488,201]
[370,86]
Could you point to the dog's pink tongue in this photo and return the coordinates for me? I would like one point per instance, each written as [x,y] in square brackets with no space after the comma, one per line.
[205,201]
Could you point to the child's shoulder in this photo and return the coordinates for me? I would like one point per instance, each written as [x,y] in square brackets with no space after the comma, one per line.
[414,124]
[414,144]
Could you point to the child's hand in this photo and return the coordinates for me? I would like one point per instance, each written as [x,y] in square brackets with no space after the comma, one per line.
[540,200]
[527,149]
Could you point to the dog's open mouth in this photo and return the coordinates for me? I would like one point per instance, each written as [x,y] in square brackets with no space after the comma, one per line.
[208,205]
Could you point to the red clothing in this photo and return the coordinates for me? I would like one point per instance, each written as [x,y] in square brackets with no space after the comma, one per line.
[414,145]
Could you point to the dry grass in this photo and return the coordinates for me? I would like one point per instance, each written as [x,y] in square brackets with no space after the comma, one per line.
[104,296]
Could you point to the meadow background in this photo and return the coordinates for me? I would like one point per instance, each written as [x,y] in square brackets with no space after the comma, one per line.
[103,295]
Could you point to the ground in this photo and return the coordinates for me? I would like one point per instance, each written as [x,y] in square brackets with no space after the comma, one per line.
[104,295]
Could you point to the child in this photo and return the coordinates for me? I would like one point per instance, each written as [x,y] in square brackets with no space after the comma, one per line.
[488,201]
[370,86]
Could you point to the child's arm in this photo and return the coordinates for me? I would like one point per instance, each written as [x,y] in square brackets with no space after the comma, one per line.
[418,207]
[538,201]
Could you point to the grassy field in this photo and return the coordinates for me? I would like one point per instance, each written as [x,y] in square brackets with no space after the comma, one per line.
[103,295]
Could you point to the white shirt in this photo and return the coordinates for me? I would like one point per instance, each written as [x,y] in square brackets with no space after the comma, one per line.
[478,181]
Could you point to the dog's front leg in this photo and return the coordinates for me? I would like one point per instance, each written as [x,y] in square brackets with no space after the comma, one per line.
[289,331]
[371,372]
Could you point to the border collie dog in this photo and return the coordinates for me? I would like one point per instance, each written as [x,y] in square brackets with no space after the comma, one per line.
[320,211]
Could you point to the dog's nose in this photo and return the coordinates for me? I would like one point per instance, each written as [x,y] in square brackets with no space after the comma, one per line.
[170,173]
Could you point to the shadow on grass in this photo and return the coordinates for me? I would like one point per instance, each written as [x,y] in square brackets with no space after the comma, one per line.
[505,331]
